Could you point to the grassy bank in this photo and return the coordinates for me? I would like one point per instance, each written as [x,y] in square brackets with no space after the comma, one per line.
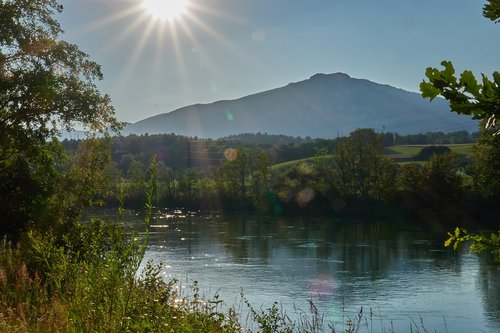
[93,284]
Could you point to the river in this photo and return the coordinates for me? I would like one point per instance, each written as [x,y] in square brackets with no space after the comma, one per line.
[398,270]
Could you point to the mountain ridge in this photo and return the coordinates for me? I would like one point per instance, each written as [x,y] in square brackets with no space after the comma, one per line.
[325,105]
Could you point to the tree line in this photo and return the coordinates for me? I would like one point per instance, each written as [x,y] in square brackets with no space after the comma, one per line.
[345,176]
[180,152]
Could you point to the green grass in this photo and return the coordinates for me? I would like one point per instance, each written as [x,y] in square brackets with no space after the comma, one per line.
[421,163]
[403,154]
[464,149]
[413,150]
[45,287]
[402,150]
[293,163]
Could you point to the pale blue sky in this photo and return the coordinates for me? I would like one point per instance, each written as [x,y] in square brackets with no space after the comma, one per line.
[226,49]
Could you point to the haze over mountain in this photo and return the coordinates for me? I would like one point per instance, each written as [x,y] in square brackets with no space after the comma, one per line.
[325,105]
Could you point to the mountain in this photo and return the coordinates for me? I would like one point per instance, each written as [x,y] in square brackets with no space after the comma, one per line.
[325,105]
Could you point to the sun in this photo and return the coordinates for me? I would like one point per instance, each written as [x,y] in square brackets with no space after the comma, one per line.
[165,10]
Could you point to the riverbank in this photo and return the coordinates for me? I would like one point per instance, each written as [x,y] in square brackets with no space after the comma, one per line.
[96,277]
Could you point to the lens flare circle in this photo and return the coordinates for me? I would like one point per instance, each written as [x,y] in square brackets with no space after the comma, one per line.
[231,154]
[166,10]
[305,196]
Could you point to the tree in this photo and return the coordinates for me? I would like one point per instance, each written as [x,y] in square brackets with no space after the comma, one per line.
[187,181]
[46,85]
[482,101]
[465,94]
[90,175]
[24,190]
[233,174]
[263,174]
[486,167]
[433,190]
[165,180]
[136,188]
[358,161]
[45,82]
[426,153]
[480,243]
[492,10]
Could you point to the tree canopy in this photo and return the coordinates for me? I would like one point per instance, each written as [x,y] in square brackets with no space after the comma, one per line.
[46,85]
[492,10]
[45,82]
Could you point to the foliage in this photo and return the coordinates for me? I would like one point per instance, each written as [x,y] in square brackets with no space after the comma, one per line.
[434,190]
[28,180]
[247,180]
[426,153]
[134,186]
[466,95]
[429,138]
[272,320]
[263,139]
[412,150]
[89,175]
[46,84]
[441,174]
[205,155]
[95,287]
[482,100]
[479,242]
[186,185]
[360,164]
[491,10]
[244,178]
[486,167]
[45,81]
[92,282]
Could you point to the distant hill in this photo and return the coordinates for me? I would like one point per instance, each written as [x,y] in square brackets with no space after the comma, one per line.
[325,106]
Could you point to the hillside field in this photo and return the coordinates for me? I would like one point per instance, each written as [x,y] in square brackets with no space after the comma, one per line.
[407,152]
[399,153]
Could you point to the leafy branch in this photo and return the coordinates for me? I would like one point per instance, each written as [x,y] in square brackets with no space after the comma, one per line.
[479,242]
[465,94]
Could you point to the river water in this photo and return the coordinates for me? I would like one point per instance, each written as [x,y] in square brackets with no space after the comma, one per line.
[398,270]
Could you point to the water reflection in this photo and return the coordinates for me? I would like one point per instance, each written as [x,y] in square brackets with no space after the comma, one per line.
[342,265]
[489,282]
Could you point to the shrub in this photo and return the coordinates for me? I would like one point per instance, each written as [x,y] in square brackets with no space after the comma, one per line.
[426,153]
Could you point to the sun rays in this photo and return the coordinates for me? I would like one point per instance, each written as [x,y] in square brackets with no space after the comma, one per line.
[166,10]
[175,34]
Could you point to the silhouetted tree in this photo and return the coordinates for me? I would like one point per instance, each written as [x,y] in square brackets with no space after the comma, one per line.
[426,153]
[46,84]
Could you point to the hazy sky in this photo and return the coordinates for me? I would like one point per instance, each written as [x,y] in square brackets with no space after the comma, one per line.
[226,49]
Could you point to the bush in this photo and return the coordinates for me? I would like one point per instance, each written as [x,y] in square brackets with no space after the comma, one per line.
[93,284]
[426,153]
